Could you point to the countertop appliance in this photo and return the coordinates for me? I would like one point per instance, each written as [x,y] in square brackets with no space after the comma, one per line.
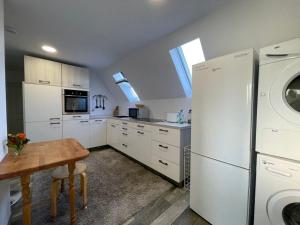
[277,191]
[75,101]
[172,117]
[222,145]
[138,113]
[278,118]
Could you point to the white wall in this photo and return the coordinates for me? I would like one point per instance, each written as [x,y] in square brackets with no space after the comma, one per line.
[4,186]
[236,25]
[158,108]
[97,87]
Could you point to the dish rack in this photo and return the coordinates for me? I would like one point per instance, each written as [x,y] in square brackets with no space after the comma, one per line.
[187,166]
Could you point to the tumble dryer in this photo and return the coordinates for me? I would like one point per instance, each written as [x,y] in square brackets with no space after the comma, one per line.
[278,115]
[277,192]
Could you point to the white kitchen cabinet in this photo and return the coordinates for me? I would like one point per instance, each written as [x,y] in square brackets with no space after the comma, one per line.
[126,141]
[79,130]
[142,146]
[113,130]
[42,103]
[43,131]
[97,132]
[41,71]
[75,77]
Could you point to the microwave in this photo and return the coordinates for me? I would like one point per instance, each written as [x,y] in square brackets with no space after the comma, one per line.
[138,113]
[75,101]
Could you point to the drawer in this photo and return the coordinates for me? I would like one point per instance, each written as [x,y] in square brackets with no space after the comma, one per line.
[76,117]
[166,135]
[166,151]
[141,126]
[166,168]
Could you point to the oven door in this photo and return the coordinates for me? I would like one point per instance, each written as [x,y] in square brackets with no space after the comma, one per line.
[75,104]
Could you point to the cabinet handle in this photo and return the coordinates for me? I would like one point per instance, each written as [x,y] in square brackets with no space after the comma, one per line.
[113,126]
[139,132]
[160,161]
[124,128]
[161,146]
[54,123]
[98,120]
[140,126]
[124,134]
[76,85]
[54,119]
[84,121]
[76,116]
[163,130]
[44,81]
[125,145]
[124,123]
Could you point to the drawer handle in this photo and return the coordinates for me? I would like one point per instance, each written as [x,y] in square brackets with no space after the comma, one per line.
[76,116]
[160,161]
[124,128]
[140,126]
[139,132]
[44,81]
[113,126]
[84,121]
[54,119]
[98,120]
[124,134]
[165,147]
[54,123]
[124,123]
[125,145]
[163,130]
[76,85]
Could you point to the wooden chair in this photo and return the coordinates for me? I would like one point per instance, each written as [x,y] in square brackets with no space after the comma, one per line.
[59,175]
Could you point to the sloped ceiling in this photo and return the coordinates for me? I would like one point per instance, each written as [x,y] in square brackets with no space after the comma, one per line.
[238,25]
[95,33]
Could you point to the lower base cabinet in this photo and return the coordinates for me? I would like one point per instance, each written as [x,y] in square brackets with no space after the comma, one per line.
[113,134]
[142,147]
[98,133]
[43,131]
[78,129]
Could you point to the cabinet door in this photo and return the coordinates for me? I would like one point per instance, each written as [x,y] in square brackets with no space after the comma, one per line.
[126,139]
[97,133]
[43,131]
[113,135]
[42,103]
[142,146]
[75,77]
[79,130]
[41,71]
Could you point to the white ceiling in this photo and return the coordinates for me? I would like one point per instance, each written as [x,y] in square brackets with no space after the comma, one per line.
[94,33]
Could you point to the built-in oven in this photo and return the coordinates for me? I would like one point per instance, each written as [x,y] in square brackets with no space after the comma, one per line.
[75,101]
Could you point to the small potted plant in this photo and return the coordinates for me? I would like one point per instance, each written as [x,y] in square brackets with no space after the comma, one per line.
[17,142]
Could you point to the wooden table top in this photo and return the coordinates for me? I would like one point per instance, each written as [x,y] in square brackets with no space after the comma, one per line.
[40,156]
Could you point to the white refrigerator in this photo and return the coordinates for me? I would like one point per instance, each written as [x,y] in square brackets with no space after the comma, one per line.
[223,102]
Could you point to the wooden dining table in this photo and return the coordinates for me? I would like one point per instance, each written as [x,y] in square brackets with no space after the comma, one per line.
[42,156]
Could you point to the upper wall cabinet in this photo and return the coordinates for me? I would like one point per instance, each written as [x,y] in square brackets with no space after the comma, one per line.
[41,71]
[75,77]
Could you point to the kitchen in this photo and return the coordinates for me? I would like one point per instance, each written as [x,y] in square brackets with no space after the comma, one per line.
[168,143]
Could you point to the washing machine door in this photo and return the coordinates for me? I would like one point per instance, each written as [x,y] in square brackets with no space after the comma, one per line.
[283,208]
[285,91]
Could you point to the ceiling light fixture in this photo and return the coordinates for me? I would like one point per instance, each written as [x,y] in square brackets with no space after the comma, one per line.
[49,49]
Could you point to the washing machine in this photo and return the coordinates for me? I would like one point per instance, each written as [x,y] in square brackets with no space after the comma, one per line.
[278,108]
[277,199]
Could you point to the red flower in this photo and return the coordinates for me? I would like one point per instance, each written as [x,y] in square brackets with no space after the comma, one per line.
[21,136]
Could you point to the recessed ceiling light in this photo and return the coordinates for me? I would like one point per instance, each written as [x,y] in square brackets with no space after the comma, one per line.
[49,49]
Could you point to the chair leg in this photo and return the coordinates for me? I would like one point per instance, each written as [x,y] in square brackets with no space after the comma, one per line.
[62,186]
[83,182]
[54,187]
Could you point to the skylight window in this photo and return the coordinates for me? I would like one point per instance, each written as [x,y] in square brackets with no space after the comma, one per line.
[184,57]
[126,87]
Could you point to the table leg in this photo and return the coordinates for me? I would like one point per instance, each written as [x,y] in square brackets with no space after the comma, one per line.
[25,181]
[71,167]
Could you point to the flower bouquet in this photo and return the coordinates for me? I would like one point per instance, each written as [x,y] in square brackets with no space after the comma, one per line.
[17,142]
